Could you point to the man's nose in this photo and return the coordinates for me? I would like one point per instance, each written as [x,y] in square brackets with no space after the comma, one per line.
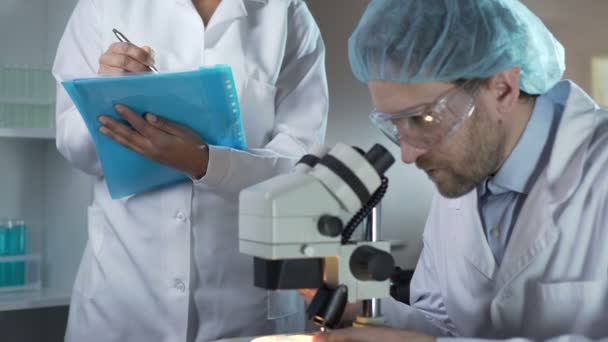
[409,153]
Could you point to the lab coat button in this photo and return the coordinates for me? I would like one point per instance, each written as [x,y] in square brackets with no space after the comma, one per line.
[495,233]
[180,216]
[179,285]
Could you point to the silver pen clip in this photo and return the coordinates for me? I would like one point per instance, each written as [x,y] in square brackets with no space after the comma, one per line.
[124,39]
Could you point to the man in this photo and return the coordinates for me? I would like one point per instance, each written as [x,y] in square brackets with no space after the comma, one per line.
[516,242]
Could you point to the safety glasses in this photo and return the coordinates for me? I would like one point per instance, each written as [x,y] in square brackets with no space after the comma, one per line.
[426,125]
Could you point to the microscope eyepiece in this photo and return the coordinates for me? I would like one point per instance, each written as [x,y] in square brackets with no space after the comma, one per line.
[380,158]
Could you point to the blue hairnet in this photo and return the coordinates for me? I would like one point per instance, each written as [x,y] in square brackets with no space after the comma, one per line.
[414,41]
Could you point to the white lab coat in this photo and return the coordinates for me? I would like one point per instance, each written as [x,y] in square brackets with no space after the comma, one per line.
[165,266]
[553,280]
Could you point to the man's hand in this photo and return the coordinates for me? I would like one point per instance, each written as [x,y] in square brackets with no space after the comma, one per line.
[122,58]
[372,335]
[160,140]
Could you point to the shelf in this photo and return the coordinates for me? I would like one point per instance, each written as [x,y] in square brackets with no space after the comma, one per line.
[33,299]
[31,133]
[27,101]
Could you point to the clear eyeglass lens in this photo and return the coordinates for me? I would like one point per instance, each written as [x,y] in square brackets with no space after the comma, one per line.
[433,123]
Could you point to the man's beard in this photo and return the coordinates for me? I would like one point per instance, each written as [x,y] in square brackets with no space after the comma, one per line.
[476,156]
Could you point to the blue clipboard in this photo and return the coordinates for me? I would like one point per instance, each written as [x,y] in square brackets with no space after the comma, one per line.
[204,100]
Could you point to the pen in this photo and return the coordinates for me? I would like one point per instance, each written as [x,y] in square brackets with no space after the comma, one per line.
[124,39]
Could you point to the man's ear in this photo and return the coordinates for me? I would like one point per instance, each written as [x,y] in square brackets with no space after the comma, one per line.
[504,88]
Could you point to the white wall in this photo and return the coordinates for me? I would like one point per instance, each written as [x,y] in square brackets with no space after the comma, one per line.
[23,32]
[579,25]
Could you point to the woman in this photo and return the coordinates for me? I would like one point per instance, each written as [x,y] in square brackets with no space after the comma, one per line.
[164,265]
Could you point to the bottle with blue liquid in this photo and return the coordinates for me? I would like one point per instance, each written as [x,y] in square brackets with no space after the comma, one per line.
[17,244]
[12,243]
[4,281]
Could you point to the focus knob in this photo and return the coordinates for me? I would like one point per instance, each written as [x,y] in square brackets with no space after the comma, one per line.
[330,226]
[369,263]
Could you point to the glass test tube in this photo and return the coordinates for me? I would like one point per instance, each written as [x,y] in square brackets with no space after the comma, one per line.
[17,247]
[4,281]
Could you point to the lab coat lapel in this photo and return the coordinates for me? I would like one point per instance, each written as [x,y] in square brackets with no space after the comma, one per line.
[571,136]
[534,232]
[225,15]
[475,248]
[536,229]
[167,40]
[227,11]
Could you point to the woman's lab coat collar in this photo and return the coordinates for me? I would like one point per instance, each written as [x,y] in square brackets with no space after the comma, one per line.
[225,1]
[228,10]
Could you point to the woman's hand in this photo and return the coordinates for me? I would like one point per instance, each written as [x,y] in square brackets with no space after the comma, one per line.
[160,140]
[123,58]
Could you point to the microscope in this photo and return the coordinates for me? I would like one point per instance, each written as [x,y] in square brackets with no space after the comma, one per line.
[299,227]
